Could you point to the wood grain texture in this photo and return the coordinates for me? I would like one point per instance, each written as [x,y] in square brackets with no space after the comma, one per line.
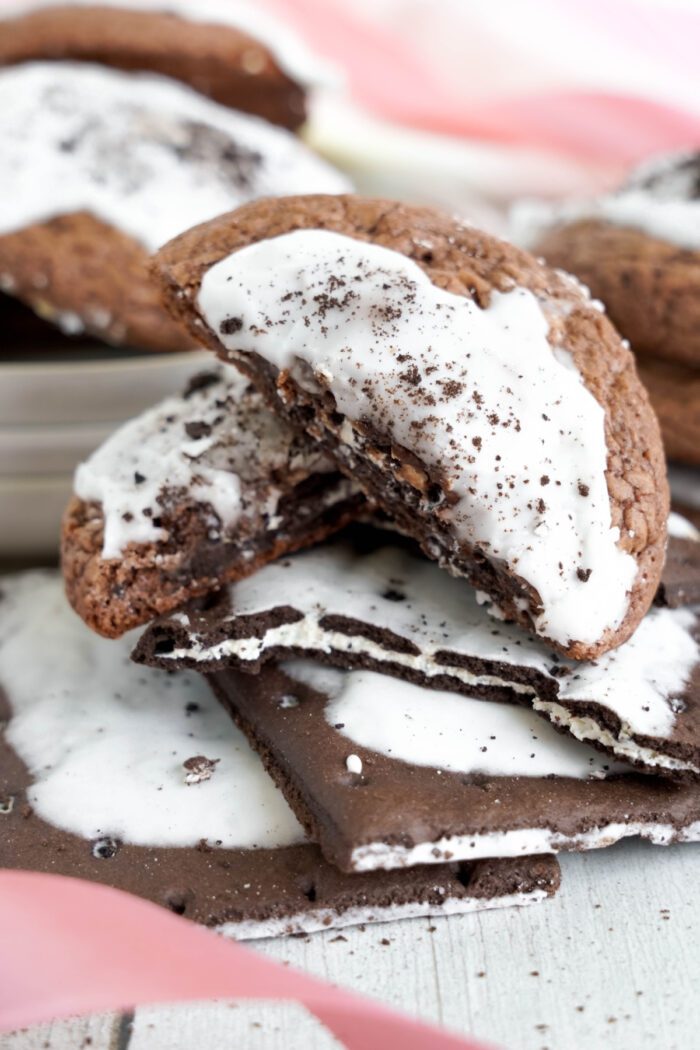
[612,962]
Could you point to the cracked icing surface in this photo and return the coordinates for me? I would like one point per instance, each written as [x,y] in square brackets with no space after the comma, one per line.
[661,198]
[143,153]
[105,740]
[394,591]
[289,50]
[478,395]
[218,444]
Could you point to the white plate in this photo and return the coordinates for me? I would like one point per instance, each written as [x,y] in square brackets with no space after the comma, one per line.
[30,515]
[92,391]
[32,450]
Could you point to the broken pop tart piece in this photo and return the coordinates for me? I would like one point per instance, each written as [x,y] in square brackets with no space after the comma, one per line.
[361,603]
[95,754]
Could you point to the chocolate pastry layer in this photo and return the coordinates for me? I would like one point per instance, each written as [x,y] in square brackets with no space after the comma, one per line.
[393,612]
[480,398]
[228,51]
[199,490]
[674,390]
[138,779]
[638,250]
[386,774]
[99,168]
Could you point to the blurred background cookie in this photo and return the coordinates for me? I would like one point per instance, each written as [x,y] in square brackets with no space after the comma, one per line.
[638,250]
[100,167]
[674,390]
[230,50]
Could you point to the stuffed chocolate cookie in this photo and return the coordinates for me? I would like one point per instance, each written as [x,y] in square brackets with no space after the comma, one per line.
[638,250]
[229,50]
[199,490]
[479,398]
[99,168]
[139,780]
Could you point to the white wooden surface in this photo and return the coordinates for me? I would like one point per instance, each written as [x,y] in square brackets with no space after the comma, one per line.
[612,962]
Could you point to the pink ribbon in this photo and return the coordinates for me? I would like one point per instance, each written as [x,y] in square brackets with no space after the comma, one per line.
[71,947]
[389,77]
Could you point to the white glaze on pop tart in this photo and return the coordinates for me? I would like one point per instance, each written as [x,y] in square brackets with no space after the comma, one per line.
[137,778]
[395,611]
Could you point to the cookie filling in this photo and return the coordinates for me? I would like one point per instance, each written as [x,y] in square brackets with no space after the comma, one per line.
[217,445]
[470,407]
[143,153]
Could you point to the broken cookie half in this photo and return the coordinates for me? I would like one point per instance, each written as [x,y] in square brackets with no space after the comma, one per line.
[481,399]
[199,490]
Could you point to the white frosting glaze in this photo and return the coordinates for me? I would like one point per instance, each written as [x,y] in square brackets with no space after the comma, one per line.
[289,50]
[143,153]
[638,681]
[665,210]
[446,731]
[231,467]
[517,843]
[105,740]
[329,919]
[516,435]
[682,529]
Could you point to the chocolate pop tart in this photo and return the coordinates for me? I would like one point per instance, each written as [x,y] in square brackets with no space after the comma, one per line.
[480,398]
[139,779]
[198,490]
[388,609]
[386,774]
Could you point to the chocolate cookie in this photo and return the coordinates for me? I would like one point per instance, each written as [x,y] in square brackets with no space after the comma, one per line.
[99,168]
[232,52]
[481,399]
[638,250]
[385,774]
[388,610]
[674,390]
[138,779]
[202,489]
[680,582]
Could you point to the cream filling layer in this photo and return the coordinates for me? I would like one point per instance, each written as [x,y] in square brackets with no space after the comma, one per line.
[376,856]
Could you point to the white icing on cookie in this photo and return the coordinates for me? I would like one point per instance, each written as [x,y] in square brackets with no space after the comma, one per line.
[661,199]
[479,395]
[290,51]
[105,740]
[143,153]
[228,460]
[458,734]
[419,602]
